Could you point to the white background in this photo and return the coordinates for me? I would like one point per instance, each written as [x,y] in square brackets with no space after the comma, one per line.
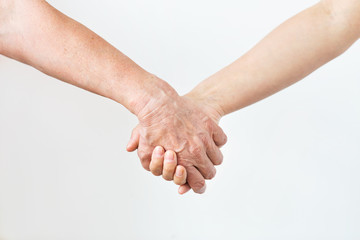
[291,168]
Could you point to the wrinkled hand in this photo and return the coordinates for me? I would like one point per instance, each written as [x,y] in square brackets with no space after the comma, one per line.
[185,126]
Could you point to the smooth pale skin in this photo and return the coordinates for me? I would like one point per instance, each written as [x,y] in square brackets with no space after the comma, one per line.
[167,162]
[292,51]
[35,33]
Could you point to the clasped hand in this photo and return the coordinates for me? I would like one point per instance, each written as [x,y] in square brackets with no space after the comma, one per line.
[188,131]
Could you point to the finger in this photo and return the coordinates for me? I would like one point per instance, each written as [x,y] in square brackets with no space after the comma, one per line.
[144,154]
[205,166]
[170,163]
[134,140]
[157,159]
[195,180]
[213,152]
[184,189]
[219,136]
[180,175]
[145,162]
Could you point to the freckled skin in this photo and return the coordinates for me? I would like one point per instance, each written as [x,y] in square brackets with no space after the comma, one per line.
[35,33]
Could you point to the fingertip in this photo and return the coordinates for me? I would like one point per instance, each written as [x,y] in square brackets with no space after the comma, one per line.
[156,163]
[180,175]
[134,140]
[195,180]
[170,163]
[202,190]
[131,147]
[147,168]
[184,189]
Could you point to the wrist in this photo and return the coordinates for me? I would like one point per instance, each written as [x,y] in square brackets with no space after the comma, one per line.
[209,103]
[142,92]
[155,95]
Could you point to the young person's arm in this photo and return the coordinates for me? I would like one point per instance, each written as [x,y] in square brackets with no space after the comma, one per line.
[288,54]
[36,34]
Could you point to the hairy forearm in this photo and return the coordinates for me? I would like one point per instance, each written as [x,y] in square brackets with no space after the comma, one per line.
[35,33]
[289,53]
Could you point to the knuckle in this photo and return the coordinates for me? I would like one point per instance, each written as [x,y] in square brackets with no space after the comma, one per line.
[184,161]
[208,123]
[195,150]
[203,137]
[147,134]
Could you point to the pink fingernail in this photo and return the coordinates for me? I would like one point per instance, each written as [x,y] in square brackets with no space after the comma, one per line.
[179,172]
[169,156]
[181,190]
[159,151]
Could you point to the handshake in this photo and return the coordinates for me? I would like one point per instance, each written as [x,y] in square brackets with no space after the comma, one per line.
[178,137]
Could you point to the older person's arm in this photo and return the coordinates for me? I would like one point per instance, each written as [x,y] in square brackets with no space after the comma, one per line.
[36,34]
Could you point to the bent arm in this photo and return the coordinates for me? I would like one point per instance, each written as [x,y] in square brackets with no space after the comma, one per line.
[36,34]
[288,54]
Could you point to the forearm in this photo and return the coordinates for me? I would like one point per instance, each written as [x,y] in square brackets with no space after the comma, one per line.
[292,51]
[39,35]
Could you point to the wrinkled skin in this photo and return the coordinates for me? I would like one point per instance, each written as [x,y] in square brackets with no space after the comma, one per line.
[185,126]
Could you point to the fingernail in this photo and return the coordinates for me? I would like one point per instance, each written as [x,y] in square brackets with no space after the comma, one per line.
[179,172]
[181,190]
[159,151]
[169,156]
[202,190]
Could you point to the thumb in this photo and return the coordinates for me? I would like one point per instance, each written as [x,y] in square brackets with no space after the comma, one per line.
[134,140]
